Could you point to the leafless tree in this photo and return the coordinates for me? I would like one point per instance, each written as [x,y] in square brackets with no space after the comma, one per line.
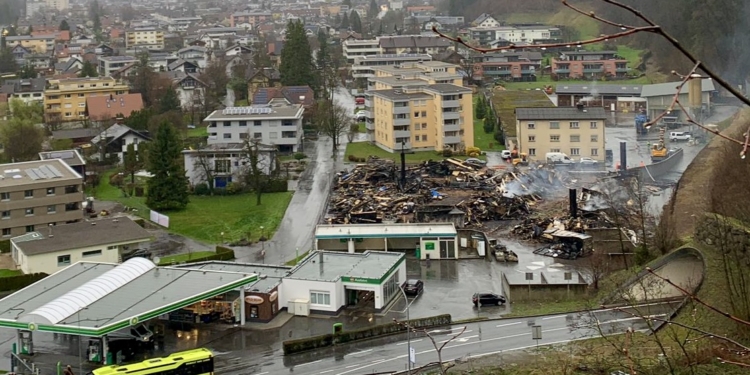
[333,120]
[205,168]
[261,166]
[596,266]
[437,345]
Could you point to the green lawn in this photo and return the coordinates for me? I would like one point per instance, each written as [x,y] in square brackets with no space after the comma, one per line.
[205,218]
[180,258]
[506,102]
[8,273]
[199,131]
[361,127]
[543,81]
[241,103]
[365,149]
[297,258]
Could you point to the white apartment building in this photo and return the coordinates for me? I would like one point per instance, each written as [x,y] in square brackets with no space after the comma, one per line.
[144,37]
[363,66]
[357,48]
[277,124]
[111,64]
[57,4]
[514,34]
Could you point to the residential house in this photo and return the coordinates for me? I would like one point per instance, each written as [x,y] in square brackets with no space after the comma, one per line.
[72,158]
[195,54]
[65,99]
[80,137]
[485,20]
[103,108]
[278,125]
[508,66]
[73,65]
[589,64]
[238,50]
[114,141]
[37,44]
[110,64]
[223,37]
[19,54]
[266,77]
[41,62]
[104,50]
[150,38]
[660,96]
[274,52]
[183,66]
[26,90]
[516,34]
[365,66]
[49,250]
[302,95]
[220,164]
[83,40]
[159,61]
[577,131]
[353,48]
[429,20]
[249,19]
[419,107]
[35,194]
[414,44]
[188,86]
[59,5]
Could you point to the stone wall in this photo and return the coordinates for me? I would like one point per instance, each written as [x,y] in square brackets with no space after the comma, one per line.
[724,234]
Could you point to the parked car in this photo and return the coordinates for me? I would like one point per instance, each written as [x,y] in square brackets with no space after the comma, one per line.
[475,162]
[487,299]
[413,287]
[191,126]
[679,136]
[586,160]
[361,116]
[506,154]
[139,333]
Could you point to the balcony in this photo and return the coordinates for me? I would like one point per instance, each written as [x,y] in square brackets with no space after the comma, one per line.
[450,103]
[401,121]
[452,140]
[497,72]
[368,103]
[370,126]
[401,110]
[401,134]
[622,70]
[451,115]
[593,70]
[451,127]
[528,71]
[562,71]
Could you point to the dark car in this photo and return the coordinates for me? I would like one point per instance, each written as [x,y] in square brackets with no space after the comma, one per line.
[413,287]
[487,299]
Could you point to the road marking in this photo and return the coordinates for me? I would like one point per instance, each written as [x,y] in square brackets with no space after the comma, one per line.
[326,371]
[454,333]
[406,342]
[554,317]
[460,338]
[633,318]
[263,373]
[308,363]
[508,324]
[360,352]
[353,365]
[372,364]
[635,307]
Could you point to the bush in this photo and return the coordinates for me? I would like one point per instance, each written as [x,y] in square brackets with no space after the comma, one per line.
[499,136]
[235,188]
[20,281]
[488,126]
[116,179]
[201,189]
[361,160]
[353,158]
[299,156]
[276,186]
[447,153]
[5,246]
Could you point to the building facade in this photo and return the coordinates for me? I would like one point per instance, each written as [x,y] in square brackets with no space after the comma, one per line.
[509,66]
[576,132]
[111,64]
[589,64]
[360,47]
[150,38]
[515,34]
[363,66]
[26,90]
[37,44]
[251,18]
[35,194]
[276,124]
[65,99]
[220,164]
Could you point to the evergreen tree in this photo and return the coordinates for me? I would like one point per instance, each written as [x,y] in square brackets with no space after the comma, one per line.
[170,101]
[64,25]
[7,61]
[344,22]
[28,71]
[480,110]
[347,3]
[31,29]
[95,14]
[337,19]
[355,22]
[297,64]
[380,29]
[130,164]
[88,70]
[324,55]
[488,126]
[374,10]
[168,186]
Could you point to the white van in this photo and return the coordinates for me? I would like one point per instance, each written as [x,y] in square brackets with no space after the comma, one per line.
[679,136]
[558,157]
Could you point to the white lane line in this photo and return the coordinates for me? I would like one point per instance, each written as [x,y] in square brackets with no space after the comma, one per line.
[372,364]
[263,373]
[360,352]
[308,363]
[554,317]
[508,324]
[406,342]
[633,318]
[453,333]
[353,365]
[459,338]
[456,328]
[326,371]
[634,307]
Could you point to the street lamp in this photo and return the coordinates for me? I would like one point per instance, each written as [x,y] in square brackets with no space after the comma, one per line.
[262,240]
[403,165]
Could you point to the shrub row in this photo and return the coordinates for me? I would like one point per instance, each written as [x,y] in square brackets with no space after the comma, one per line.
[20,281]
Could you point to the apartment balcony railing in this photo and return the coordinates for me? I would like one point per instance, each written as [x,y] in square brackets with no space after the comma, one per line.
[370,125]
[562,71]
[401,134]
[450,104]
[451,140]
[451,115]
[401,110]
[593,70]
[401,122]
[451,127]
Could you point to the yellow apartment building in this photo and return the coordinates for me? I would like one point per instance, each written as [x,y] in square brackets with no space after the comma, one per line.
[65,99]
[144,37]
[38,44]
[419,107]
[576,132]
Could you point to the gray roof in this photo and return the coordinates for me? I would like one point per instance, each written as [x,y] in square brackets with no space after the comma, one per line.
[597,89]
[34,172]
[447,88]
[116,131]
[670,88]
[98,298]
[269,276]
[413,41]
[193,48]
[331,266]
[559,113]
[13,86]
[75,133]
[394,94]
[82,234]
[118,58]
[71,157]
[282,111]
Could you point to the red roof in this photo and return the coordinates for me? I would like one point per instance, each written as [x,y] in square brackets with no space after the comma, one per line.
[107,107]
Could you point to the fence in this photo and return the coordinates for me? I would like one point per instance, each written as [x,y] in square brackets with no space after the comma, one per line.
[160,219]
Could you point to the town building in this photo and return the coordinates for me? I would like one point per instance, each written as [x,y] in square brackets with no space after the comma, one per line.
[111,64]
[278,124]
[508,66]
[72,158]
[220,164]
[51,249]
[57,4]
[430,44]
[589,64]
[577,131]
[34,7]
[353,48]
[188,86]
[37,44]
[515,34]
[250,19]
[612,97]
[363,66]
[65,99]
[114,141]
[419,107]
[25,90]
[660,96]
[35,194]
[103,108]
[148,37]
[485,20]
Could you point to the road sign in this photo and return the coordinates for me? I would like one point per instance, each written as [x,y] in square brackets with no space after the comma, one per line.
[412,355]
[536,332]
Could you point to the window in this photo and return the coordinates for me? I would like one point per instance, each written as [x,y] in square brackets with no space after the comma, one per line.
[63,260]
[29,211]
[6,214]
[112,247]
[257,135]
[575,151]
[51,191]
[594,152]
[554,150]
[424,113]
[575,138]
[320,298]
[91,253]
[70,189]
[416,138]
[243,135]
[73,206]
[416,114]
[5,196]
[51,209]
[554,125]
[28,193]
[273,135]
[227,123]
[574,124]
[424,137]
[81,105]
[554,138]
[6,232]
[222,166]
[68,114]
[424,125]
[594,138]
[532,138]
[227,135]
[257,123]
[66,95]
[81,95]
[592,124]
[531,125]
[29,228]
[532,151]
[243,123]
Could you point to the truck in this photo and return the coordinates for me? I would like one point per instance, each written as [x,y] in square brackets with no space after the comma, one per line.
[558,158]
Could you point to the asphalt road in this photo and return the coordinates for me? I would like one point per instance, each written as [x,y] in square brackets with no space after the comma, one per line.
[478,339]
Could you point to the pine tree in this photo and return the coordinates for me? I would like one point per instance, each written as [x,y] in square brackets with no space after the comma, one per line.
[168,186]
[170,101]
[374,10]
[130,164]
[355,22]
[7,61]
[31,29]
[88,70]
[64,25]
[480,110]
[344,22]
[27,72]
[324,55]
[297,65]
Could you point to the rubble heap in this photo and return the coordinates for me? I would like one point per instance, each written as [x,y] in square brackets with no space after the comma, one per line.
[371,193]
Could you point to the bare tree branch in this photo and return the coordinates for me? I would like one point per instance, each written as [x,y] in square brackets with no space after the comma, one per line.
[438,349]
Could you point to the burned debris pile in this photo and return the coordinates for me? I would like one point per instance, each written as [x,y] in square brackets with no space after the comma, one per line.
[468,194]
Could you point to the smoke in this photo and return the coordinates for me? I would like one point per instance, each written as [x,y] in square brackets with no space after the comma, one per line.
[540,181]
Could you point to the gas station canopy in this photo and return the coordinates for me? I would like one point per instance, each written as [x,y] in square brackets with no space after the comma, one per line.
[94,299]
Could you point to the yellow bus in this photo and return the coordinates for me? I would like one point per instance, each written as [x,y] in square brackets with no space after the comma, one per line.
[191,362]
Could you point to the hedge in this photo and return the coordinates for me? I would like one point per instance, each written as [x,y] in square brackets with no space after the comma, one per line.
[322,341]
[222,253]
[20,281]
[5,246]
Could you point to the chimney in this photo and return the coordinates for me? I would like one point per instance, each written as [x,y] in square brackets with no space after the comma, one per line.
[579,105]
[573,198]
[623,156]
[111,97]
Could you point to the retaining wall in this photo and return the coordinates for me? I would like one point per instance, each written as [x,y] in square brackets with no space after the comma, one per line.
[657,169]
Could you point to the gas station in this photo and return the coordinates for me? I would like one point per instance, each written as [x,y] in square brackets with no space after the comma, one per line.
[97,300]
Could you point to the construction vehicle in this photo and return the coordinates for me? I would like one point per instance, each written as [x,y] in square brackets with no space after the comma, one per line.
[659,150]
[522,159]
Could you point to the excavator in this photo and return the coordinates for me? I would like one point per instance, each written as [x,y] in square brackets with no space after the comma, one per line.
[659,151]
[520,159]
